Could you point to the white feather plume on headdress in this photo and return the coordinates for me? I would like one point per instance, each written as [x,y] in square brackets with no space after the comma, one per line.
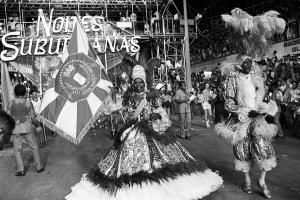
[267,24]
[239,20]
[254,30]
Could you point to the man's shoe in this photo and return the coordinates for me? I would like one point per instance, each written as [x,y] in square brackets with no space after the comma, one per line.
[20,173]
[265,191]
[247,188]
[40,170]
[207,124]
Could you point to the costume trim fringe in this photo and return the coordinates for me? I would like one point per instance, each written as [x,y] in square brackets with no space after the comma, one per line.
[84,131]
[185,187]
[270,108]
[237,132]
[265,129]
[243,166]
[268,164]
[232,133]
[171,171]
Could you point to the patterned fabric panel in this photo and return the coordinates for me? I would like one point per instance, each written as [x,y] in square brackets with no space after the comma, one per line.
[106,165]
[140,153]
[230,94]
[135,155]
[254,148]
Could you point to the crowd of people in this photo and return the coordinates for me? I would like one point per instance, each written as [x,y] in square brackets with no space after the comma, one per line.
[247,101]
[208,97]
[216,44]
[282,81]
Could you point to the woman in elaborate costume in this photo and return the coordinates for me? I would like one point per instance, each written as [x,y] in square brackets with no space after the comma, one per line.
[145,164]
[243,85]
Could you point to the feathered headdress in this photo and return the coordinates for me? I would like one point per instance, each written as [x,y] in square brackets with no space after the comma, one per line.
[254,31]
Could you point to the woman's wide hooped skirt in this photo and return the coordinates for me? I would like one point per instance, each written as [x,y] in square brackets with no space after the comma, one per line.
[144,165]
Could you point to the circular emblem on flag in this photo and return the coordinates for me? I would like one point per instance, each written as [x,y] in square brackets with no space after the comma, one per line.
[77,77]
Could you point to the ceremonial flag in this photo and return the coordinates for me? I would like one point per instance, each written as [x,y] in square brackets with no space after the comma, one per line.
[72,102]
[7,89]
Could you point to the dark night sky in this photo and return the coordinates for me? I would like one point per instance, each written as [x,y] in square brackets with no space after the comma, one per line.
[215,8]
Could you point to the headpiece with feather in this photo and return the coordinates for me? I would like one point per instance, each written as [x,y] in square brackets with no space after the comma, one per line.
[254,32]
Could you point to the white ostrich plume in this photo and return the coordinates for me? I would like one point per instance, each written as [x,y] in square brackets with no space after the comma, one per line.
[266,24]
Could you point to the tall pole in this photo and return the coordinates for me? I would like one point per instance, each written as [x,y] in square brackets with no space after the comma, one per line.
[41,79]
[187,47]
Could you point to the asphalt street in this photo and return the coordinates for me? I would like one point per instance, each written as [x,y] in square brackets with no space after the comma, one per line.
[65,163]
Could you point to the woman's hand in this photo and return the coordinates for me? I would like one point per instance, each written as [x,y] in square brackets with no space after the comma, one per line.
[155,116]
[253,114]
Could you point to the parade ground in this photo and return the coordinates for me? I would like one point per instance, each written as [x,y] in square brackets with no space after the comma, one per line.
[65,163]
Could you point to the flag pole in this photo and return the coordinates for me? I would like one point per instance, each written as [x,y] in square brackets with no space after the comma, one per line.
[7,88]
[187,47]
[41,80]
[91,47]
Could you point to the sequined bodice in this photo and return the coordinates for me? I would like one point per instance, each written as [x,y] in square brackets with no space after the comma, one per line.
[134,106]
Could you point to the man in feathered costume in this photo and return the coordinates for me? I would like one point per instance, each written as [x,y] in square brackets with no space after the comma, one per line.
[243,86]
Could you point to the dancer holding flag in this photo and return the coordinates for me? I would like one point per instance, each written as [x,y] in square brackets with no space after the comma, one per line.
[145,164]
[142,164]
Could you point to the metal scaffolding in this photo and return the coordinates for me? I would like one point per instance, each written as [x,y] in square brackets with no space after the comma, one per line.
[67,7]
[158,21]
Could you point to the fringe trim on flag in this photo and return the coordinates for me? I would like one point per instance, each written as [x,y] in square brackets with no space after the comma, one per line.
[77,140]
[57,130]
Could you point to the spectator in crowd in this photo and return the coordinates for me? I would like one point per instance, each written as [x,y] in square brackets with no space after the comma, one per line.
[185,118]
[175,104]
[290,98]
[206,98]
[167,101]
[23,113]
[36,101]
[293,94]
[277,97]
[220,113]
[297,110]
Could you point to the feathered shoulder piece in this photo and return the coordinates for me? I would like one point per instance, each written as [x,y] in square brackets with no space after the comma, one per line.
[229,69]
